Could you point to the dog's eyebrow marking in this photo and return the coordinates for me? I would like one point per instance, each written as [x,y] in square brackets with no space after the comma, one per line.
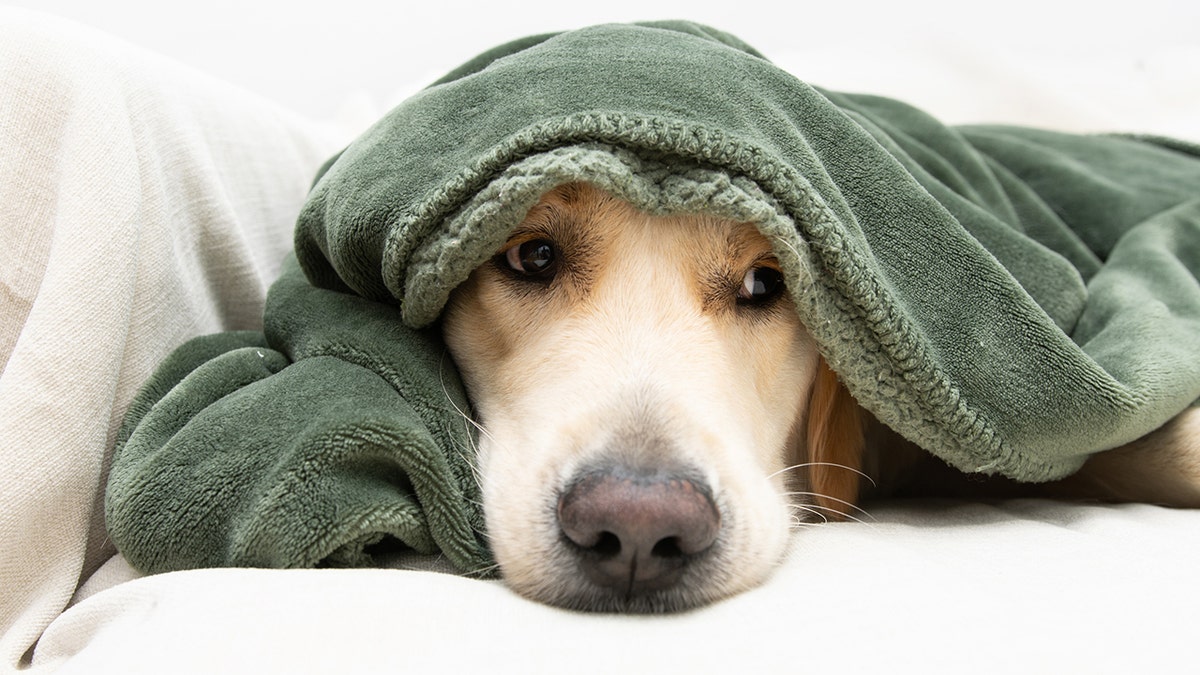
[723,269]
[566,228]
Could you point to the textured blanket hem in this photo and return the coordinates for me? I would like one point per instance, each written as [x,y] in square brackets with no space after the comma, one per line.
[878,354]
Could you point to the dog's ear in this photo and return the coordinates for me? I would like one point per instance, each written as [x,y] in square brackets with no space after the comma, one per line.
[836,441]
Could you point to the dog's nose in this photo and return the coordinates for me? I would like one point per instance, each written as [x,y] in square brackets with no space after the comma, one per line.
[637,531]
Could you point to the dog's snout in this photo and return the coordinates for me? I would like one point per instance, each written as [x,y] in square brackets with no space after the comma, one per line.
[636,532]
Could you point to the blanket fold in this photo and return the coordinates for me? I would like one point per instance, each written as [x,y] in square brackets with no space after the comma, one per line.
[1012,300]
[305,446]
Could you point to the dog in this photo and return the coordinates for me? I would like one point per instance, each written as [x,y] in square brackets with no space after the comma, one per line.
[655,420]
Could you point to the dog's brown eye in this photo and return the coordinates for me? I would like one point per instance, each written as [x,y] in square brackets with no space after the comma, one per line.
[534,258]
[759,285]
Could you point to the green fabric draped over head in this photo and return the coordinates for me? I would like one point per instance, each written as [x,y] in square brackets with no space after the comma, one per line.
[1012,300]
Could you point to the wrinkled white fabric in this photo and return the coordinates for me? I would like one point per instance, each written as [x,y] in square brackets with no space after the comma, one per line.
[141,203]
[935,587]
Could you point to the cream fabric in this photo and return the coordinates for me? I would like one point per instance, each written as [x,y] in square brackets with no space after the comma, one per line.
[140,204]
[1020,587]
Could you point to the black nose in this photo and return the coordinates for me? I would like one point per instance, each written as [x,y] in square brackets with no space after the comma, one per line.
[637,531]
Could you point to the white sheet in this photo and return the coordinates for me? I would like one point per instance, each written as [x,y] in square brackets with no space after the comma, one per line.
[146,203]
[1018,587]
[140,203]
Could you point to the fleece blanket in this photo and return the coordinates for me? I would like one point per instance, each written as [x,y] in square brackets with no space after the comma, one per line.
[1012,300]
[320,441]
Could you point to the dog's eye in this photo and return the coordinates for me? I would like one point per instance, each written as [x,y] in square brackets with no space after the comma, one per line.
[760,285]
[534,258]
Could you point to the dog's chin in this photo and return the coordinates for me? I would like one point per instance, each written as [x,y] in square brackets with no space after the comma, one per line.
[565,585]
[568,591]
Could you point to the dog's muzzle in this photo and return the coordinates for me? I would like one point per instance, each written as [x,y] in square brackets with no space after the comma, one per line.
[635,532]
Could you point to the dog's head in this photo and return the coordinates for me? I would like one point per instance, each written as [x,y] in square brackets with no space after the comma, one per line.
[644,388]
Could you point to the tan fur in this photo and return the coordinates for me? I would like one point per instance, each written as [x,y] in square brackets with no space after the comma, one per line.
[1162,467]
[835,443]
[639,348]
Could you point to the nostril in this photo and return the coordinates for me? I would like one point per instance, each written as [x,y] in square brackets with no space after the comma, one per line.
[607,546]
[667,548]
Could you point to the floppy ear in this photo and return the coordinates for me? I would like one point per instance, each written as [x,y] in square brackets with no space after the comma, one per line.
[836,441]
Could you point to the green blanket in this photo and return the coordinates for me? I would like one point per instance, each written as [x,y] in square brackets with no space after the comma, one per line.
[335,434]
[1012,300]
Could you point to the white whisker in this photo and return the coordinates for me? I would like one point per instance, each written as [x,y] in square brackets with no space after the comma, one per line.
[833,464]
[819,510]
[799,521]
[851,505]
[486,570]
[789,246]
[866,519]
[470,458]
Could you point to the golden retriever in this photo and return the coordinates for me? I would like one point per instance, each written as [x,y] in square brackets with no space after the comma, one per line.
[655,419]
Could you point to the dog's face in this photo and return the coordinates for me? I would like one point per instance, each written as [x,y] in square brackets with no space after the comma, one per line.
[642,385]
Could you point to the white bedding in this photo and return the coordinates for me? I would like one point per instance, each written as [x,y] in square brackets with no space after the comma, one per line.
[146,203]
[1021,587]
